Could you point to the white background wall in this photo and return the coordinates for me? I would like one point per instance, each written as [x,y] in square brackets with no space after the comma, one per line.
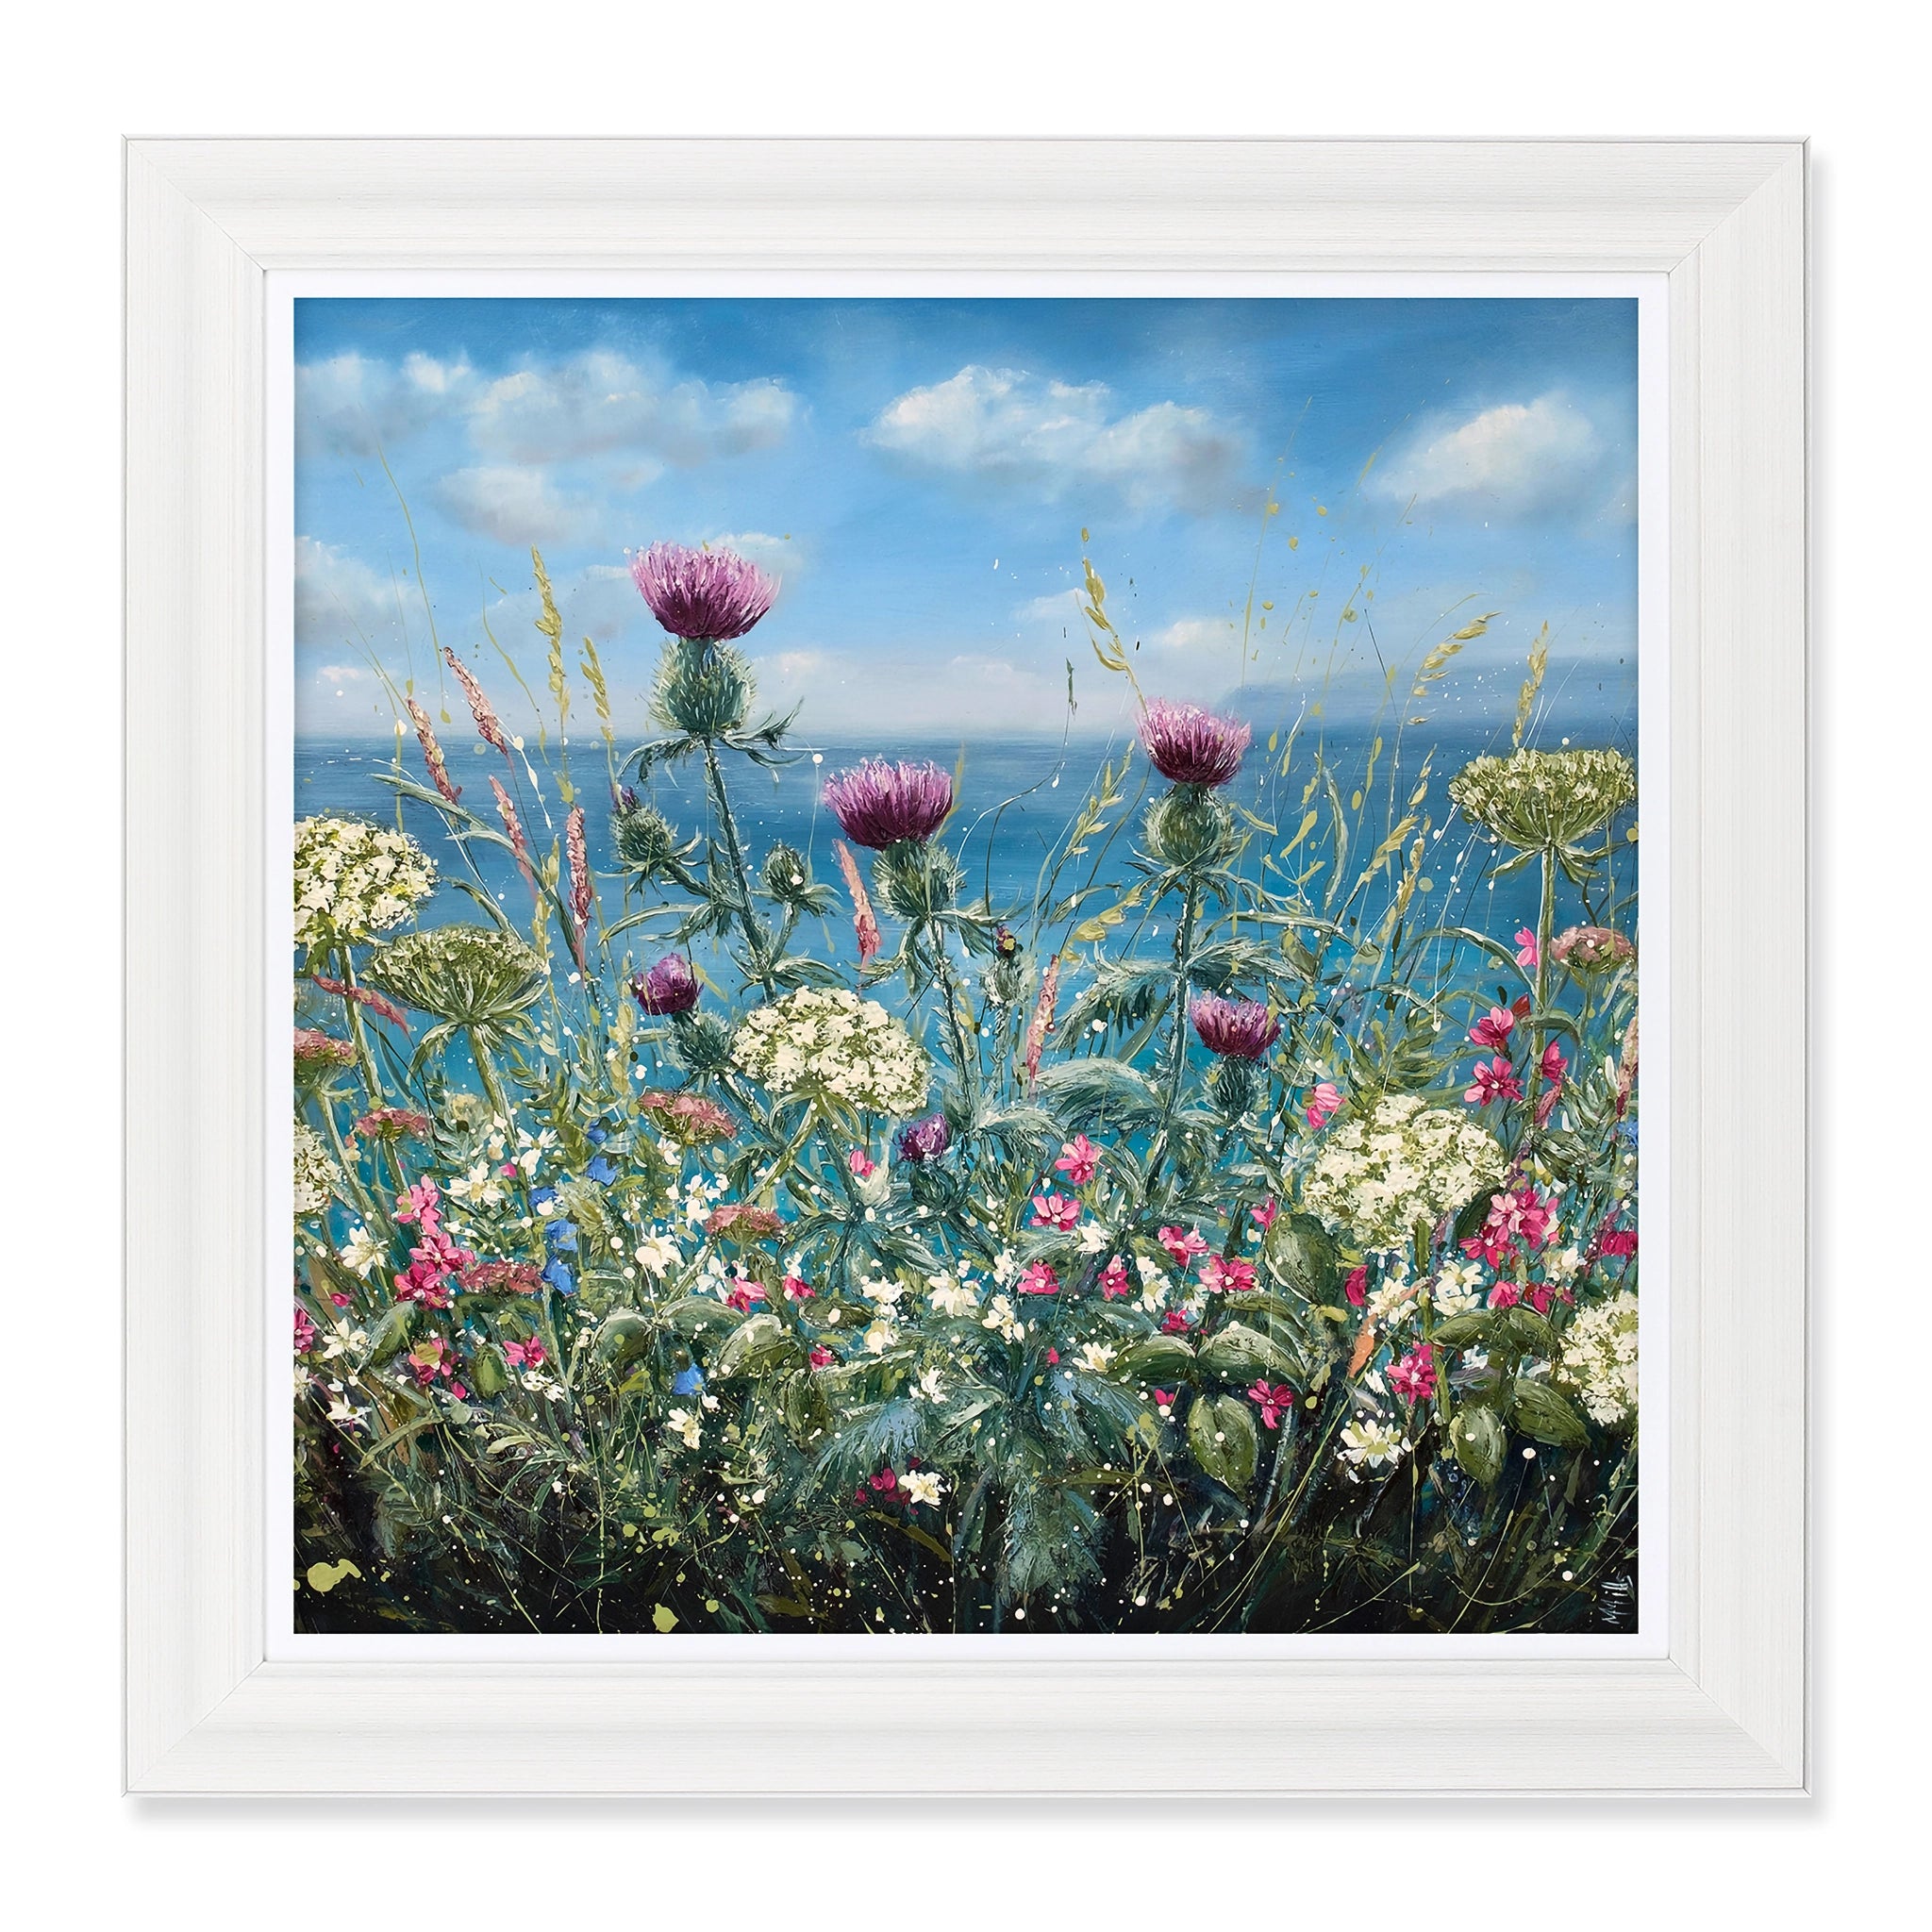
[79,78]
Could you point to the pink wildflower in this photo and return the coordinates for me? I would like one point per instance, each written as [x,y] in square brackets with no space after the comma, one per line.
[797,1291]
[1176,1321]
[1265,1215]
[1182,1244]
[1553,1065]
[420,1203]
[1324,1099]
[1491,1032]
[863,1167]
[1191,746]
[1527,951]
[712,595]
[821,1357]
[1039,1279]
[1493,1080]
[1080,1161]
[1163,1400]
[1617,1240]
[1273,1403]
[1356,1287]
[1506,1294]
[524,1355]
[1113,1278]
[1054,1210]
[1220,1276]
[745,1297]
[1413,1377]
[304,1330]
[1541,1293]
[1041,1022]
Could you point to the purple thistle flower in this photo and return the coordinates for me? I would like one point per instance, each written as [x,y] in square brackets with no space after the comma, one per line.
[1242,1029]
[712,594]
[924,1140]
[669,987]
[880,805]
[1192,746]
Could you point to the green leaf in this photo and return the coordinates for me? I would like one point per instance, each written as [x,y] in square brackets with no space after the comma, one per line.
[1221,1434]
[1300,1254]
[1459,1331]
[754,1349]
[1480,1439]
[1539,1410]
[1238,1351]
[488,1375]
[1157,1359]
[1528,1331]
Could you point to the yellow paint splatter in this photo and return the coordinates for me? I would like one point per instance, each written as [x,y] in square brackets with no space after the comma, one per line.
[664,1620]
[325,1577]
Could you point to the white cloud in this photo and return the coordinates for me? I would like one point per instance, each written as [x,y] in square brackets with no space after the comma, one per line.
[601,403]
[516,505]
[1194,634]
[1010,426]
[779,557]
[1515,458]
[1059,607]
[339,674]
[355,404]
[338,598]
[600,602]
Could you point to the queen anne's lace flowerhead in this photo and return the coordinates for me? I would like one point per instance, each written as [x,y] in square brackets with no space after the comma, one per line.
[835,1045]
[880,805]
[1599,1359]
[316,1174]
[1545,798]
[1382,1171]
[474,975]
[354,879]
[709,594]
[1192,746]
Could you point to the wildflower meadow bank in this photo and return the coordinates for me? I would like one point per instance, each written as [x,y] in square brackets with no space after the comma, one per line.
[1222,1237]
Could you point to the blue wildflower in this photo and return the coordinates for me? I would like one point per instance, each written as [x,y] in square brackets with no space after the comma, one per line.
[559,1276]
[563,1236]
[597,1136]
[688,1381]
[600,1171]
[539,1195]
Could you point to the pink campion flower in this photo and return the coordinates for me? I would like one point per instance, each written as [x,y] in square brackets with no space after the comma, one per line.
[1273,1403]
[1177,1321]
[1528,951]
[1221,1275]
[884,1488]
[1237,1029]
[821,1357]
[863,1167]
[1265,1215]
[1493,1080]
[1491,1032]
[1356,1286]
[1325,1100]
[1506,1294]
[745,1297]
[420,1203]
[1192,746]
[304,1330]
[879,805]
[1039,1279]
[1080,1161]
[1541,1293]
[1617,1240]
[1553,1065]
[1113,1278]
[797,1291]
[1182,1244]
[432,1358]
[1054,1210]
[1522,1215]
[1163,1400]
[1053,1356]
[1413,1377]
[711,594]
[524,1355]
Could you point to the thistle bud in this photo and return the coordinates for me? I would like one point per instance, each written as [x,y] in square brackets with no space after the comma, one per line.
[1189,826]
[788,878]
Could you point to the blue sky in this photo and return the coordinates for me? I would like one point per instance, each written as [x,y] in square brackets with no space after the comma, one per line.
[920,471]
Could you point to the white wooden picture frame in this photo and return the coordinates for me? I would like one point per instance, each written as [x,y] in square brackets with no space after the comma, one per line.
[209,1710]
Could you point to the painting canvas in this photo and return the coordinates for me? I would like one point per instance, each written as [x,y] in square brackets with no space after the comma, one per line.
[965,966]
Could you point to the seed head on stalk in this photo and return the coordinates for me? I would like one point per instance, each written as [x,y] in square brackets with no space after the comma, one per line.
[432,752]
[513,830]
[864,923]
[579,881]
[489,727]
[1038,1025]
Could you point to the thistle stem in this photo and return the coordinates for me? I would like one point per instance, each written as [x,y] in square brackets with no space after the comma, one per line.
[1178,1056]
[1546,930]
[720,806]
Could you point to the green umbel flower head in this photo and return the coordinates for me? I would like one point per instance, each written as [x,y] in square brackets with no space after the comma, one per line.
[1544,799]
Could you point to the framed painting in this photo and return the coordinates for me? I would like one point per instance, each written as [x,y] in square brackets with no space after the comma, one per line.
[967,933]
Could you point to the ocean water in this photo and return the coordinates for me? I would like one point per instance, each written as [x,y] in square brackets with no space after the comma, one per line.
[1016,799]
